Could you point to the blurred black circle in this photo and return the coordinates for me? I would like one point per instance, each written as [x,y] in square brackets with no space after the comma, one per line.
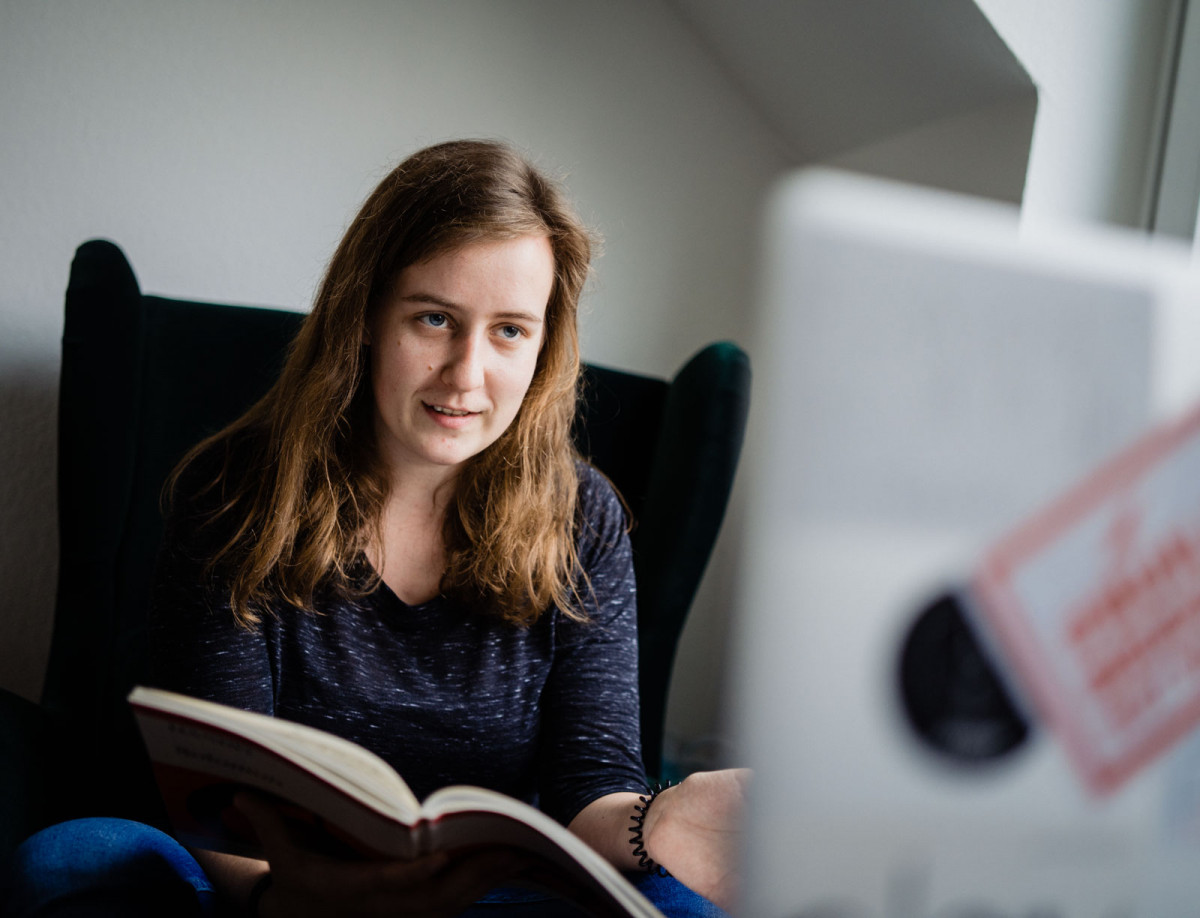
[952,697]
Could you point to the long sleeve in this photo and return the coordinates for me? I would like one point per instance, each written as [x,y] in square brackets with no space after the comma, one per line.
[590,716]
[195,646]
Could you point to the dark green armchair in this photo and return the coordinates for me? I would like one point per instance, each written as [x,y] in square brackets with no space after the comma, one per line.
[145,377]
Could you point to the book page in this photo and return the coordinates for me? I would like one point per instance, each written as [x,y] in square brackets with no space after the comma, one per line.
[461,816]
[341,761]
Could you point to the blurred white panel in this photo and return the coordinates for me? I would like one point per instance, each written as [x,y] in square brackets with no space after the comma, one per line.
[929,376]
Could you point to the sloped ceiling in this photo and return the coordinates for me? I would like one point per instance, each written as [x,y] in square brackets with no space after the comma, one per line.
[833,75]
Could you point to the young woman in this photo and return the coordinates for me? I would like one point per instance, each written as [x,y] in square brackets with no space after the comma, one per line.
[399,544]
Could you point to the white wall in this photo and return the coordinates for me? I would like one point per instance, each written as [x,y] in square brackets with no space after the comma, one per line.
[225,145]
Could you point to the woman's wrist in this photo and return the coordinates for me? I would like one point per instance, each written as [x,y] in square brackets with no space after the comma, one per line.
[647,813]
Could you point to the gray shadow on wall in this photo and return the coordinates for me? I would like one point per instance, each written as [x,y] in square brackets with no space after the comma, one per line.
[28,520]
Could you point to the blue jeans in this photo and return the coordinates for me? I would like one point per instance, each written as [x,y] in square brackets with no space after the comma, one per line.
[103,868]
[667,894]
[100,868]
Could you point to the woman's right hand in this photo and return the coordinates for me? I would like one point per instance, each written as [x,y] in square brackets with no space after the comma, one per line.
[309,885]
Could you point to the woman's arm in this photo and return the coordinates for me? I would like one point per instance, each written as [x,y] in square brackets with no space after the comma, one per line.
[590,743]
[195,646]
[692,830]
[590,716]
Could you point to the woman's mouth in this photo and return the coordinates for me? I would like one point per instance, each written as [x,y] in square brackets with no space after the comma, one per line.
[449,412]
[449,418]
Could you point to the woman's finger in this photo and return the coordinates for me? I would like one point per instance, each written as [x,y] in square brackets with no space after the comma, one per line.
[266,822]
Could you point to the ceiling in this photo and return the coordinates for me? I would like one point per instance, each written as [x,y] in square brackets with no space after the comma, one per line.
[832,75]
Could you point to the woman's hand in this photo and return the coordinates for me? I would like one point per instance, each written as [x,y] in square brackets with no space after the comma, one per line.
[695,828]
[305,884]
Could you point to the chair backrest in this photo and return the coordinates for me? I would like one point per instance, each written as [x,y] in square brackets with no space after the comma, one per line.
[146,377]
[672,450]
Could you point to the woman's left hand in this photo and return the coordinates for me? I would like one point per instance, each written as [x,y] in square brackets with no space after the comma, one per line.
[695,829]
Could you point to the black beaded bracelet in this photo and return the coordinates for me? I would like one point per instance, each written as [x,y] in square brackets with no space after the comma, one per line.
[261,885]
[637,840]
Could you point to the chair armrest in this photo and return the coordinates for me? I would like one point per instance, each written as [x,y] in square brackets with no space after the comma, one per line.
[28,763]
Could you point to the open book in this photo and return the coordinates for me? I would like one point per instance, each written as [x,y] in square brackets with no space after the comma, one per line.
[346,800]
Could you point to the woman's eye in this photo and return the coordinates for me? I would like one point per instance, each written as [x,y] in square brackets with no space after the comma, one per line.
[434,319]
[511,332]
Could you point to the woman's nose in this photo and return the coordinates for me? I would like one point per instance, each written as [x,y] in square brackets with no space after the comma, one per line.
[465,367]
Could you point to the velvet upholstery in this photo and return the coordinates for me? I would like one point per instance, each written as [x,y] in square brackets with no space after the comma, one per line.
[145,377]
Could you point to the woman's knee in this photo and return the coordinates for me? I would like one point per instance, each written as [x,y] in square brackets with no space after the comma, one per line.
[102,860]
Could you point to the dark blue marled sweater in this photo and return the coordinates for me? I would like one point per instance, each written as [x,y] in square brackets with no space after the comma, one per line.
[445,694]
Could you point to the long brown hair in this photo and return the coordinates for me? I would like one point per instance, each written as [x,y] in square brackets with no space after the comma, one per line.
[305,498]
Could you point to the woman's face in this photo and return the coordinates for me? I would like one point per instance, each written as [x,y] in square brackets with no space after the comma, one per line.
[454,348]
